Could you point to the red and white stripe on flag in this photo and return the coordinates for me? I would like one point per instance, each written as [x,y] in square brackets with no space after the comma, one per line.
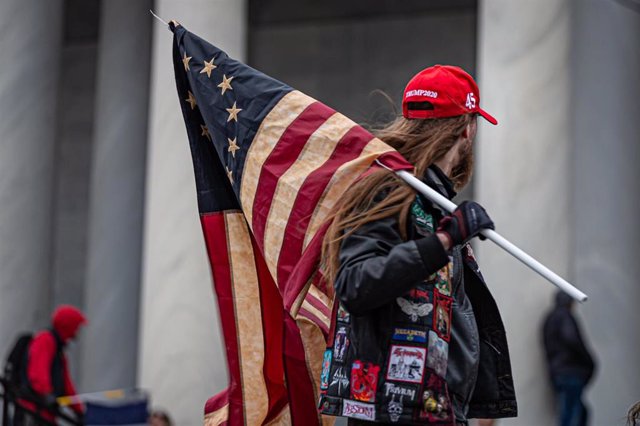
[303,158]
[264,200]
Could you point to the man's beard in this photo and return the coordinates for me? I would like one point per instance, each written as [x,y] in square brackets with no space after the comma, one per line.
[461,173]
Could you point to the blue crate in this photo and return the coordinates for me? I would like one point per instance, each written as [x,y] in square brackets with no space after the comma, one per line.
[118,412]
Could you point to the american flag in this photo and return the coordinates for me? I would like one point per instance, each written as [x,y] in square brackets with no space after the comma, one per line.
[270,164]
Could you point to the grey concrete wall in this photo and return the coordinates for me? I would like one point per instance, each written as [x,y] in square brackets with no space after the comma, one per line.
[349,61]
[523,175]
[181,353]
[343,61]
[30,43]
[72,170]
[72,161]
[114,240]
[606,243]
[74,142]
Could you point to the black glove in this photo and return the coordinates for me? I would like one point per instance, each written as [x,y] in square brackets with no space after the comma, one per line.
[465,222]
[50,401]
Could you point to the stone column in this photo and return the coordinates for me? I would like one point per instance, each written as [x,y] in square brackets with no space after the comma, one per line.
[109,352]
[606,201]
[523,174]
[182,358]
[30,43]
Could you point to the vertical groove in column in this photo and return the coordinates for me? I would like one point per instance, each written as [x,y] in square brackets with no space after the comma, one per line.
[110,343]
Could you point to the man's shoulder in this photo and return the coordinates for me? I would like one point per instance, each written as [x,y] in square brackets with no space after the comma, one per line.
[44,337]
[553,318]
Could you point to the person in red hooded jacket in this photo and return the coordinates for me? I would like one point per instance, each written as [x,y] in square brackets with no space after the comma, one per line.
[47,367]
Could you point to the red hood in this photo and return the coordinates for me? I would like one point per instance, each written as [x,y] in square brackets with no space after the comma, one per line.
[66,321]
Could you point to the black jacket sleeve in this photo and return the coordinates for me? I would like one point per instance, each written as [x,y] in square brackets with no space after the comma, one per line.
[376,265]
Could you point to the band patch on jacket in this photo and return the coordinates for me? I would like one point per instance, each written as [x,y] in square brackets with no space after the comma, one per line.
[341,344]
[410,393]
[423,220]
[436,405]
[330,406]
[437,354]
[468,254]
[343,315]
[443,278]
[364,381]
[358,410]
[394,409]
[326,367]
[442,316]
[406,363]
[339,383]
[470,259]
[414,309]
[411,335]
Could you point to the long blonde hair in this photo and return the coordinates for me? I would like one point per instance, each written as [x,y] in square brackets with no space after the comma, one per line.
[421,142]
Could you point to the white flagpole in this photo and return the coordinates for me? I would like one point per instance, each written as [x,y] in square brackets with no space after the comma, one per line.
[492,235]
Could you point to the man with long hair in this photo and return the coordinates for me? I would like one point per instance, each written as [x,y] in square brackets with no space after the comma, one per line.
[425,343]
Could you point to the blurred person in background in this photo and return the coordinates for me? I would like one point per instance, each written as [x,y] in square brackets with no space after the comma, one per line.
[569,362]
[47,370]
[159,418]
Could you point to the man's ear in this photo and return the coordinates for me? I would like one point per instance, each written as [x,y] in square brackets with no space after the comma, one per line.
[469,130]
[466,133]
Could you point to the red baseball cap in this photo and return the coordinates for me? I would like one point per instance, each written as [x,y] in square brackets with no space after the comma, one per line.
[442,91]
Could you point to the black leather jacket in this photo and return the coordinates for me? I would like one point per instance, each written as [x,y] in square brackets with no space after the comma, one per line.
[389,296]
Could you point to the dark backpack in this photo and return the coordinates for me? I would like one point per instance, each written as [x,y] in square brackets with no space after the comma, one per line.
[15,369]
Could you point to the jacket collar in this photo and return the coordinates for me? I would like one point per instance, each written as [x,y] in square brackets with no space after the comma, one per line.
[437,180]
